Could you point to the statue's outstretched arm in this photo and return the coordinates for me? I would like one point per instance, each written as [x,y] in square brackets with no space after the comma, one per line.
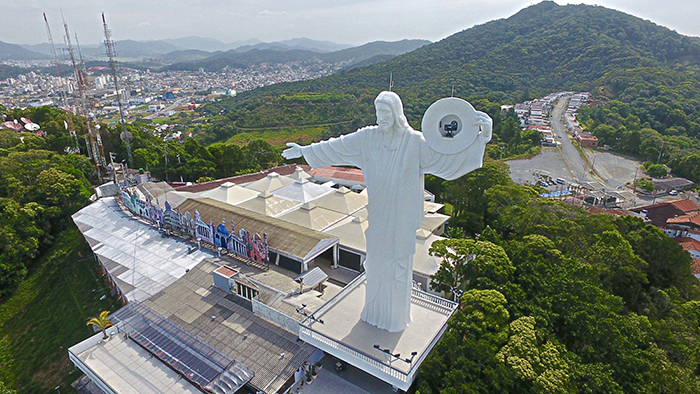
[292,152]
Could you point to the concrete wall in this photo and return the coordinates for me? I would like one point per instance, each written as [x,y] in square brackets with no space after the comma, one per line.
[275,316]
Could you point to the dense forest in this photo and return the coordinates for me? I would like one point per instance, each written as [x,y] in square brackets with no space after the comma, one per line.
[560,301]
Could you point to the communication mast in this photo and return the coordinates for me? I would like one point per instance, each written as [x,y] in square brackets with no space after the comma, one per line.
[111,53]
[90,104]
[63,98]
[84,109]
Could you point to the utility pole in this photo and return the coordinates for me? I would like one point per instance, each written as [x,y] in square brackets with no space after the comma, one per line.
[166,163]
[111,53]
[660,152]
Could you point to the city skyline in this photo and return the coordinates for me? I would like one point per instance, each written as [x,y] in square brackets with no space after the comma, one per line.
[352,22]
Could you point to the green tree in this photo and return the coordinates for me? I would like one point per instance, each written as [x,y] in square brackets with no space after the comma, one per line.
[656,171]
[466,263]
[646,185]
[228,159]
[539,366]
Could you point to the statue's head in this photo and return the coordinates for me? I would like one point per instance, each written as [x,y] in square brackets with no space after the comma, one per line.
[390,111]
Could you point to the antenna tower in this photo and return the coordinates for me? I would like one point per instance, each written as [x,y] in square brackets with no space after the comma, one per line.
[62,94]
[111,53]
[80,79]
[97,147]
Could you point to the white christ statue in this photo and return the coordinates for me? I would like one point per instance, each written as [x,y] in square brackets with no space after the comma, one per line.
[393,158]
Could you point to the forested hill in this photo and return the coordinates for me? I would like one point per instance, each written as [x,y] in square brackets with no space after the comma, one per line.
[544,46]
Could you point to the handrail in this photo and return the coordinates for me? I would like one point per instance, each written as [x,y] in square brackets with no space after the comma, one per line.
[382,366]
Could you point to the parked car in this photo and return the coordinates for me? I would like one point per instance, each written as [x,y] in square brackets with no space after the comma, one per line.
[673,192]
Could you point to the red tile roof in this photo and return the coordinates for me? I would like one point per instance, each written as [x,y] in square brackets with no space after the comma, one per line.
[692,217]
[240,179]
[348,174]
[684,205]
[696,266]
[660,213]
[688,243]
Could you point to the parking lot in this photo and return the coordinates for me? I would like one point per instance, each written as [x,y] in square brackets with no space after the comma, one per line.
[604,171]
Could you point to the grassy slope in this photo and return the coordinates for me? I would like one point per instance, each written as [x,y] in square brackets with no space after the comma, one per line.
[47,315]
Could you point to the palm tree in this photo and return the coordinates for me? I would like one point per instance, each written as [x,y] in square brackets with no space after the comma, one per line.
[101,322]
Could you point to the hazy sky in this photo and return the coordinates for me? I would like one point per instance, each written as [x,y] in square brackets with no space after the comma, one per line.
[342,21]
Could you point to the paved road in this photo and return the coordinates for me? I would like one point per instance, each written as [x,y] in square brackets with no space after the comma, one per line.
[603,170]
[563,161]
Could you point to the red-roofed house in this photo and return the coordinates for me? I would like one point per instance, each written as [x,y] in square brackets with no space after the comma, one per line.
[684,205]
[696,267]
[691,245]
[659,213]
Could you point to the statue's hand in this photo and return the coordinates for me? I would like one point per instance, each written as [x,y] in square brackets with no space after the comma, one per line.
[485,123]
[292,152]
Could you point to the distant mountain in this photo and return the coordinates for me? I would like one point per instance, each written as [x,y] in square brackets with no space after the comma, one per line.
[139,49]
[17,52]
[314,45]
[241,58]
[244,59]
[372,49]
[200,43]
[43,48]
[188,55]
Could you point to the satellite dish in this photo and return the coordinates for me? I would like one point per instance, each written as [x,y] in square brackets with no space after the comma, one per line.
[32,126]
[448,125]
[97,126]
[126,136]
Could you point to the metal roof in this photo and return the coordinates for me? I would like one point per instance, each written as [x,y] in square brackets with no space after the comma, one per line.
[433,221]
[351,232]
[268,204]
[289,239]
[199,362]
[230,193]
[271,182]
[194,303]
[137,256]
[302,191]
[311,216]
[342,200]
[312,277]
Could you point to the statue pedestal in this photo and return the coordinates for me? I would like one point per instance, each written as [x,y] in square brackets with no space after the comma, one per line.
[344,335]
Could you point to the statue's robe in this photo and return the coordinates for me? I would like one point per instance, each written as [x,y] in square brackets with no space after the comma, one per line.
[393,174]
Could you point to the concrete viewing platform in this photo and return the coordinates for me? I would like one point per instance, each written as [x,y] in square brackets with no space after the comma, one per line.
[336,328]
